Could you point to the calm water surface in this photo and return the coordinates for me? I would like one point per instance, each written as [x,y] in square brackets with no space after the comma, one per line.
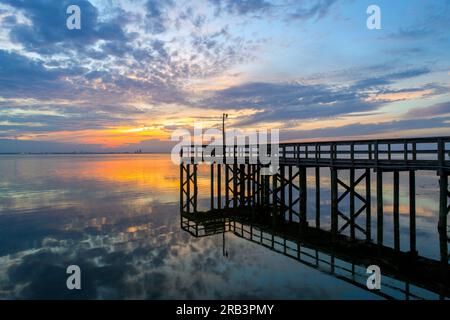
[117,217]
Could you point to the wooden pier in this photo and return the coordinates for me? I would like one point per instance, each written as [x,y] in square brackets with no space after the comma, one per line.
[236,184]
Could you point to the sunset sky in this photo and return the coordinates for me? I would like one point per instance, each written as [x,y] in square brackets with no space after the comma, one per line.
[139,69]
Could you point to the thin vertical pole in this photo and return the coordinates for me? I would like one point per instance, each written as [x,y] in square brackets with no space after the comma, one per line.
[396,210]
[253,196]
[219,186]
[235,183]
[249,181]
[282,190]
[212,186]
[258,185]
[242,185]
[379,207]
[334,202]
[443,188]
[303,197]
[188,187]
[181,187]
[254,186]
[412,211]
[290,193]
[195,187]
[317,197]
[352,203]
[274,199]
[443,198]
[227,186]
[368,206]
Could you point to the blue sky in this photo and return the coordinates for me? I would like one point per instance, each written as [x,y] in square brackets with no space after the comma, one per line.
[139,69]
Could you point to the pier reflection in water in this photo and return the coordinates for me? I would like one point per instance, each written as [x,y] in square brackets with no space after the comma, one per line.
[403,276]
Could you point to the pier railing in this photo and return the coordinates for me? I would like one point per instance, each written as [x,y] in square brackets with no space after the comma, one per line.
[388,154]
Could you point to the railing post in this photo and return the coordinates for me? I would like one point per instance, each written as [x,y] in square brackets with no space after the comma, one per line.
[212,185]
[352,204]
[412,211]
[334,202]
[368,206]
[188,187]
[195,187]
[303,197]
[181,186]
[396,210]
[379,207]
[443,187]
[219,186]
[317,169]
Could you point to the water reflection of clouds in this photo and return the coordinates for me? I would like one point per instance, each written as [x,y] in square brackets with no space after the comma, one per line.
[126,259]
[117,218]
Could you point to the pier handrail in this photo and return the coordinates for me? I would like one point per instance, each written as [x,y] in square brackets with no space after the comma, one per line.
[427,153]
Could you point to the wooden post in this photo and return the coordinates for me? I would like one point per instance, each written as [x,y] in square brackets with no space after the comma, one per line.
[188,187]
[235,185]
[303,197]
[368,206]
[249,181]
[379,207]
[334,202]
[242,185]
[219,186]
[181,186]
[254,186]
[212,186]
[282,190]
[290,193]
[274,199]
[443,188]
[352,203]
[317,169]
[195,187]
[412,211]
[258,185]
[443,199]
[227,186]
[396,211]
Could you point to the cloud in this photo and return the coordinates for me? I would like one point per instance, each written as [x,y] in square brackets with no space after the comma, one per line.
[48,33]
[313,9]
[439,109]
[410,33]
[157,19]
[294,101]
[241,7]
[288,101]
[389,78]
[24,77]
[394,128]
